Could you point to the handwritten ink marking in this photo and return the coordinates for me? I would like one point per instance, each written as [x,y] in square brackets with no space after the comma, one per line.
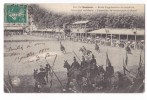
[11,54]
[28,46]
[17,48]
[30,54]
[43,50]
[26,56]
[39,44]
[38,58]
[21,58]
[47,55]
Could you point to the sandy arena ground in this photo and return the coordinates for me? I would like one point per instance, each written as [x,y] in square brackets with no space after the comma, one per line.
[13,64]
[16,62]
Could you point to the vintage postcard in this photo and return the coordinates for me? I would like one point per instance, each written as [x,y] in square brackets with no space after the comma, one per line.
[74,48]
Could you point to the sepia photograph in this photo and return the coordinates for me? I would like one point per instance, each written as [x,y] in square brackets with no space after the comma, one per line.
[74,48]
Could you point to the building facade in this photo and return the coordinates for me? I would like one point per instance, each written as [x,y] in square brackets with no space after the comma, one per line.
[80,28]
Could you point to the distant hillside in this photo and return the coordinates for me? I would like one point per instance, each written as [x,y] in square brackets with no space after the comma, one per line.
[48,19]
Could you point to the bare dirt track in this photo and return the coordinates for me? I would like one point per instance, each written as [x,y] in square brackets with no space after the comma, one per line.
[21,58]
[19,66]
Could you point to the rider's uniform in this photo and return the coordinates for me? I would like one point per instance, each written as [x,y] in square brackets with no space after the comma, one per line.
[75,65]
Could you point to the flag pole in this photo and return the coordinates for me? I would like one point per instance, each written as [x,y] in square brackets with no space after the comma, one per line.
[124,67]
[77,56]
[6,87]
[54,72]
[106,58]
[140,62]
[10,82]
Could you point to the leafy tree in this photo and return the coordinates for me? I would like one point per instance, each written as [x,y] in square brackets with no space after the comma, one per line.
[47,19]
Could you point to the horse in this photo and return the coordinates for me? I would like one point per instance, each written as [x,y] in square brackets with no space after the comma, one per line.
[82,50]
[62,48]
[72,73]
[41,78]
[97,48]
[35,73]
[66,65]
[122,81]
[128,50]
[85,51]
[98,78]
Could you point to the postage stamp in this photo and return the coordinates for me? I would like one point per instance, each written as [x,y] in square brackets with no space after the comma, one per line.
[15,13]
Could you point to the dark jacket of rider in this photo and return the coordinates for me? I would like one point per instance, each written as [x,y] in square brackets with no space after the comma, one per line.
[75,64]
[93,61]
[84,64]
[109,72]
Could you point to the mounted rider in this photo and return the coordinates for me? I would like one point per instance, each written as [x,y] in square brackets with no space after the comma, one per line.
[84,66]
[97,47]
[67,65]
[62,48]
[35,74]
[128,49]
[41,75]
[74,72]
[84,48]
[94,71]
[109,71]
[75,64]
[83,63]
[93,60]
[108,75]
[47,69]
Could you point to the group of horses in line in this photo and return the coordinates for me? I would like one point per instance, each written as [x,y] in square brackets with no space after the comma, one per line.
[82,49]
[94,77]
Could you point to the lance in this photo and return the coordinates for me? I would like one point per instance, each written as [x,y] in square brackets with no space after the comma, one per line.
[54,72]
[106,57]
[10,82]
[54,60]
[76,56]
[6,87]
[52,66]
[140,62]
[124,67]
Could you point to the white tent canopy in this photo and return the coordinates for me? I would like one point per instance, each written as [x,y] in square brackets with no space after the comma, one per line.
[81,22]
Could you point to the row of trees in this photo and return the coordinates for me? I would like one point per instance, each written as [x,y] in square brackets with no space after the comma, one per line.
[48,19]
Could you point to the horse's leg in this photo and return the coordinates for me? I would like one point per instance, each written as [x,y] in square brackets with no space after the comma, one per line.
[98,50]
[68,82]
[83,52]
[46,75]
[64,51]
[89,52]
